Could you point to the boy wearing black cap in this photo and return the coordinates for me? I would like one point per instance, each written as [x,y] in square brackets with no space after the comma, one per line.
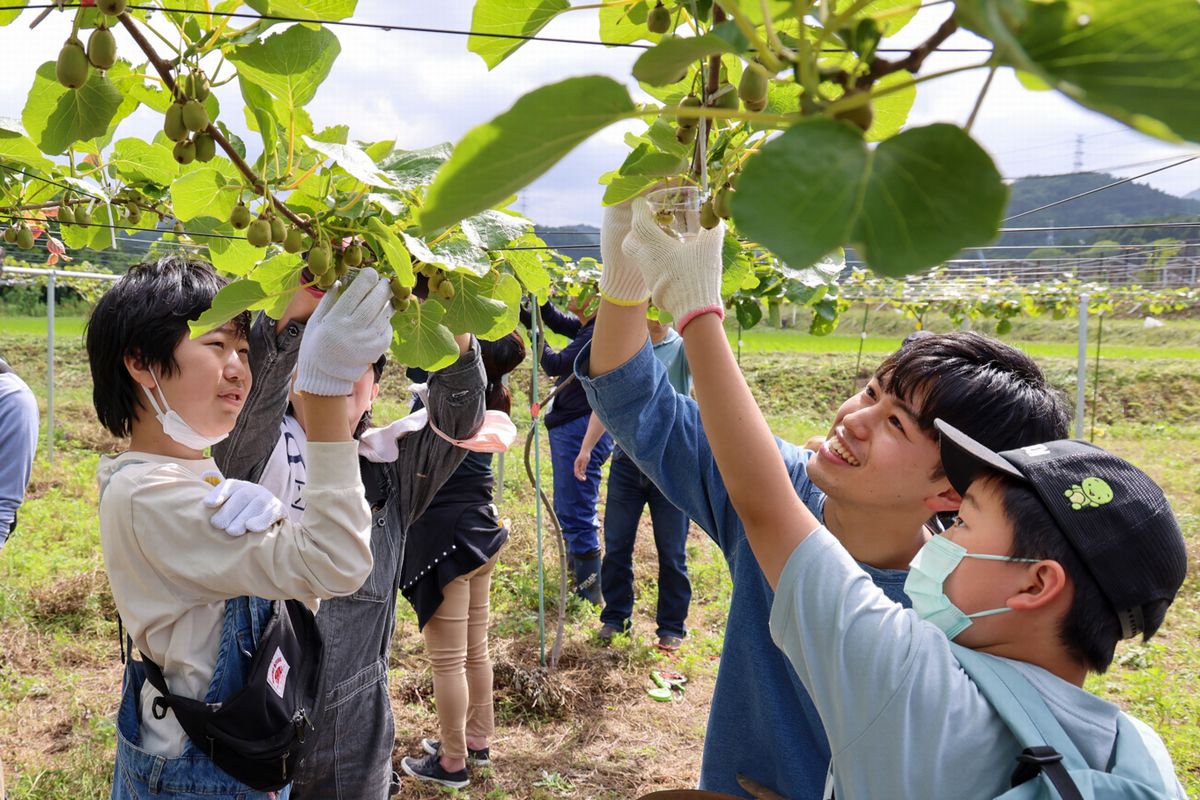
[1059,551]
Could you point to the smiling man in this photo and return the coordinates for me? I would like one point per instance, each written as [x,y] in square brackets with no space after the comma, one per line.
[875,481]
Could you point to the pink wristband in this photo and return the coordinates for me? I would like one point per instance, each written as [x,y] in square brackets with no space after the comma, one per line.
[682,322]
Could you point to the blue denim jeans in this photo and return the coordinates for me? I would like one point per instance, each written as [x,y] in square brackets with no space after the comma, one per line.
[629,491]
[574,500]
[140,775]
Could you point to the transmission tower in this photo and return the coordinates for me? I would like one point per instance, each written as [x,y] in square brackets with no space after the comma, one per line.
[1079,153]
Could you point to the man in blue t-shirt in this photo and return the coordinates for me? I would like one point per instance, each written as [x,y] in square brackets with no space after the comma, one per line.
[874,482]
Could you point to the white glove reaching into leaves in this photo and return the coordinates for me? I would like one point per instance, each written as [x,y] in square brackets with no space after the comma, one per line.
[243,506]
[684,276]
[347,333]
[621,281]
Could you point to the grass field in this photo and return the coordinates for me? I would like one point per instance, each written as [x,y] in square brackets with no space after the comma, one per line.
[587,729]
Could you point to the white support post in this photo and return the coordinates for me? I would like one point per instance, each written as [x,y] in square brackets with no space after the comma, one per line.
[1081,370]
[50,367]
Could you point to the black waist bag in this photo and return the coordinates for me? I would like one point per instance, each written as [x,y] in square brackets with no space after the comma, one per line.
[261,733]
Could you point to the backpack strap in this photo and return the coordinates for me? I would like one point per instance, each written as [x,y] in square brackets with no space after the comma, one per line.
[1047,748]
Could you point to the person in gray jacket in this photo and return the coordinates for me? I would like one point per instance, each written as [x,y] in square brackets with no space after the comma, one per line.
[352,758]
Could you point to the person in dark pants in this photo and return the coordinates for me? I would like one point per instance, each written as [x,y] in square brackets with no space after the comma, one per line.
[575,500]
[452,550]
[629,492]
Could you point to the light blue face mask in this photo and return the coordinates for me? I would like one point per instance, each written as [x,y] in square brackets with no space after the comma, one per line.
[929,569]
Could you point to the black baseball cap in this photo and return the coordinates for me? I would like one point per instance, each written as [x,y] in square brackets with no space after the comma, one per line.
[1115,517]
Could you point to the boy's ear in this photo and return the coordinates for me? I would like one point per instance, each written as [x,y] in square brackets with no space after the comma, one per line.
[946,500]
[137,370]
[1044,583]
[374,391]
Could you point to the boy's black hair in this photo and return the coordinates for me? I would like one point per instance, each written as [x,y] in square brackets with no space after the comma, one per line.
[994,393]
[145,314]
[1089,630]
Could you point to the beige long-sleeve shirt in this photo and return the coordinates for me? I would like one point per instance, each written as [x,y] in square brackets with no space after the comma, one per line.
[171,570]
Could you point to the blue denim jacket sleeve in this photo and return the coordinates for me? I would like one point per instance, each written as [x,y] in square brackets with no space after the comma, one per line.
[660,430]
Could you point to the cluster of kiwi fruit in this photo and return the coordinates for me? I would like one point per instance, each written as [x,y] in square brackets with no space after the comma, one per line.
[270,228]
[438,283]
[71,213]
[20,234]
[187,120]
[75,62]
[717,207]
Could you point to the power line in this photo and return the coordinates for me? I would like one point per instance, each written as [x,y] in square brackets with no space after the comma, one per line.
[53,183]
[1107,168]
[445,31]
[1099,189]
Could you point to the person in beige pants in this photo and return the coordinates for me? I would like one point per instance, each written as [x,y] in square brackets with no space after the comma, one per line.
[448,562]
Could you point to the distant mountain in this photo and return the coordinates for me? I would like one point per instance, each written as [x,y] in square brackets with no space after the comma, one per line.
[1195,195]
[576,241]
[1127,203]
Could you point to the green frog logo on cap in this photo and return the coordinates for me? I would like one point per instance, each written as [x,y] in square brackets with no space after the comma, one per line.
[1090,493]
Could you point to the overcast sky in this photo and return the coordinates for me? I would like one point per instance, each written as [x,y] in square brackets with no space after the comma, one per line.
[423,88]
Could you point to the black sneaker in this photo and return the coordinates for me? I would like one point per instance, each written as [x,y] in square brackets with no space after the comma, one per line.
[476,758]
[430,769]
[608,631]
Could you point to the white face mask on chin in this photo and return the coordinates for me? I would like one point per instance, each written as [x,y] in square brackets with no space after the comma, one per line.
[175,426]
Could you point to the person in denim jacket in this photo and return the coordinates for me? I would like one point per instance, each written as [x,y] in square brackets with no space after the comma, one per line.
[874,482]
[352,758]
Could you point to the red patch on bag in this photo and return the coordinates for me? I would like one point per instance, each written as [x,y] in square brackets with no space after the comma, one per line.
[277,672]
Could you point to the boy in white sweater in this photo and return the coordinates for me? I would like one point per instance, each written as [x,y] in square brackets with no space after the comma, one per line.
[171,570]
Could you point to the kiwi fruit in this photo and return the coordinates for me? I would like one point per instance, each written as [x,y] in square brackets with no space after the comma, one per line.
[353,255]
[399,290]
[173,125]
[445,290]
[102,48]
[240,217]
[752,89]
[195,116]
[708,216]
[725,97]
[691,101]
[860,116]
[686,135]
[82,216]
[340,268]
[278,230]
[71,69]
[206,147]
[259,233]
[319,258]
[659,19]
[65,215]
[196,86]
[112,8]
[294,241]
[184,152]
[24,237]
[401,304]
[10,236]
[722,202]
[326,280]
[135,214]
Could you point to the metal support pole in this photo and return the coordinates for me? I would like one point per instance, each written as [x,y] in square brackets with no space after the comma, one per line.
[537,471]
[1081,370]
[50,367]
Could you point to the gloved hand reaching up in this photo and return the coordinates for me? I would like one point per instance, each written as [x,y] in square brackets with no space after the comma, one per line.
[684,276]
[350,329]
[621,282]
[243,506]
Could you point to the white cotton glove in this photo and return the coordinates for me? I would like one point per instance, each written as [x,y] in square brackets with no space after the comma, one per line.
[621,281]
[684,276]
[243,506]
[347,333]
